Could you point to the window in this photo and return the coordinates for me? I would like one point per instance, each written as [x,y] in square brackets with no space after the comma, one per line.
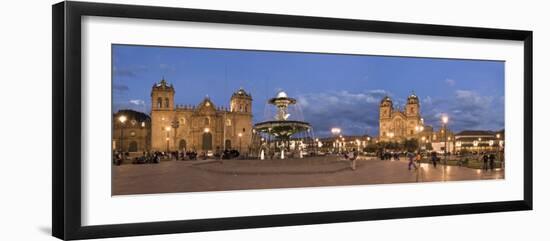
[228,122]
[159,102]
[167,103]
[206,121]
[246,108]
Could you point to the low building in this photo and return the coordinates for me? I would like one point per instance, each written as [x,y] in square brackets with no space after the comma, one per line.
[437,140]
[479,141]
[344,143]
[131,131]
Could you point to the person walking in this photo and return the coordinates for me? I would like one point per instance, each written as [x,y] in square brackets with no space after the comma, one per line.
[353,157]
[492,161]
[411,156]
[434,159]
[485,162]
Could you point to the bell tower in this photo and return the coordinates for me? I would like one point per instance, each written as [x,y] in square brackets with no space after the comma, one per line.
[162,96]
[386,108]
[241,102]
[412,109]
[162,113]
[412,112]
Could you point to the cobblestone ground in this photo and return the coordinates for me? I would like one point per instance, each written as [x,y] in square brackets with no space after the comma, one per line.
[211,175]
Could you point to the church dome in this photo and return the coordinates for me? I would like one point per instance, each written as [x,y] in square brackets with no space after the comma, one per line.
[282,94]
[412,98]
[241,93]
[132,117]
[386,99]
[163,85]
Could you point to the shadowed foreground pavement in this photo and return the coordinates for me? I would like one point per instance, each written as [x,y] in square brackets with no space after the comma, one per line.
[195,176]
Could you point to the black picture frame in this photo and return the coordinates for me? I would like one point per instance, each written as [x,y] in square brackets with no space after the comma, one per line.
[66,75]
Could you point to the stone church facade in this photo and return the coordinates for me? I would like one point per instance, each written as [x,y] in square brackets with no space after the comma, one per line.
[204,127]
[397,124]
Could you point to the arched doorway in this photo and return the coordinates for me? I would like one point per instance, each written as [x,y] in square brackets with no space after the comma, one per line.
[133,147]
[207,141]
[182,145]
[228,144]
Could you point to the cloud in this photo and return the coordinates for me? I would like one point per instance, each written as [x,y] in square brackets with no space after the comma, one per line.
[128,71]
[167,67]
[120,87]
[467,110]
[133,104]
[356,113]
[450,82]
[137,102]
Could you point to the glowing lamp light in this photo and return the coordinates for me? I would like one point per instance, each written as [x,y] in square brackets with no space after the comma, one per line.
[445,119]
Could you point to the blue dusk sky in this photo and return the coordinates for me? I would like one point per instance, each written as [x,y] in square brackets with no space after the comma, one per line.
[332,90]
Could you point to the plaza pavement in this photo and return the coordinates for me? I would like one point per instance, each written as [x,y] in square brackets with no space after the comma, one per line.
[214,175]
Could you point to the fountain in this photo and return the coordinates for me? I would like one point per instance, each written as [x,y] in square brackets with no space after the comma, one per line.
[282,128]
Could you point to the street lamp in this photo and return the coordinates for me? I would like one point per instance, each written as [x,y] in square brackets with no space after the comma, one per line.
[418,129]
[175,125]
[445,120]
[316,146]
[335,132]
[122,119]
[343,143]
[240,138]
[167,129]
[498,143]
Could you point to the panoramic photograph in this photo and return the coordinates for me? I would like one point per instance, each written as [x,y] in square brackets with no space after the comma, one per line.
[201,119]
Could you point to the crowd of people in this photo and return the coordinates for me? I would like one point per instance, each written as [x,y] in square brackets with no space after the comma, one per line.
[156,156]
[488,159]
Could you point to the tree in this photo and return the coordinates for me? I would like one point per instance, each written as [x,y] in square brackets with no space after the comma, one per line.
[410,144]
[429,146]
[371,147]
